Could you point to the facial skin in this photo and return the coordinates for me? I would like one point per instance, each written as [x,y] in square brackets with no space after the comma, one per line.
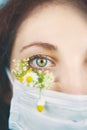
[58,34]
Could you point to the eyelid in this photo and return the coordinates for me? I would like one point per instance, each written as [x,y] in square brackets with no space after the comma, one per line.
[42,56]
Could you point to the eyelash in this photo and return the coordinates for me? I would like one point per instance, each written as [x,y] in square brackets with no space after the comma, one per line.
[34,59]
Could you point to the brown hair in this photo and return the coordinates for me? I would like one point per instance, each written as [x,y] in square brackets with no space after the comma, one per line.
[11,16]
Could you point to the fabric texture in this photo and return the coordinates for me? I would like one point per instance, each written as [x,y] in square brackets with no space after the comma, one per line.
[62,111]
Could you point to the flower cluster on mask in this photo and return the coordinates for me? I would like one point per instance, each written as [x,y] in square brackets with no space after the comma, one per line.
[31,77]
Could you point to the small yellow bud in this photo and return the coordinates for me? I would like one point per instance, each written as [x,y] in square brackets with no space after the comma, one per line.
[20,79]
[40,108]
[29,71]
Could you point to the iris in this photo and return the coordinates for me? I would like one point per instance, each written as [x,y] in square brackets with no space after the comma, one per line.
[41,62]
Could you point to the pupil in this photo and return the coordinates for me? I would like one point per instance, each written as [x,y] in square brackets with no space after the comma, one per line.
[41,61]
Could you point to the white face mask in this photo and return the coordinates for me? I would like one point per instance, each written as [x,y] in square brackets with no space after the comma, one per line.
[62,111]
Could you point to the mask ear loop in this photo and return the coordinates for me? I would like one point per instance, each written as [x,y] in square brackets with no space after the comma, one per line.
[9,75]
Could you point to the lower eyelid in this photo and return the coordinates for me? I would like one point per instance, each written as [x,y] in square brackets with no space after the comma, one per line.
[38,67]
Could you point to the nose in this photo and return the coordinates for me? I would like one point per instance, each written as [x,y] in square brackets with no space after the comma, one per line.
[70,80]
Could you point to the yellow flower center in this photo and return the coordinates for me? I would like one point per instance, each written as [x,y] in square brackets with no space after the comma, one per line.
[29,71]
[20,79]
[29,79]
[40,108]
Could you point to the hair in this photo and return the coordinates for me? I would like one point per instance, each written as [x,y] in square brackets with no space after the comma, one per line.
[11,16]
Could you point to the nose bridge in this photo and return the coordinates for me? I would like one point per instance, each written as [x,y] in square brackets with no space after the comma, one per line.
[72,77]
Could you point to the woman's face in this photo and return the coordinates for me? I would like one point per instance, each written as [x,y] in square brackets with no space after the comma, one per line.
[58,35]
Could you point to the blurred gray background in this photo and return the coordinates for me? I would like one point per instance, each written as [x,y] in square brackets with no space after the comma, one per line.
[3,2]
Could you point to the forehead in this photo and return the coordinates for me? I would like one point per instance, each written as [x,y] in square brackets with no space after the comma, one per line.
[55,24]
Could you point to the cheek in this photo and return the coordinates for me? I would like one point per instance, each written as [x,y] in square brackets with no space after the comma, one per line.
[75,83]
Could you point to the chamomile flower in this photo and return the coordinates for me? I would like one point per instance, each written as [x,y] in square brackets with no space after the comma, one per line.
[30,79]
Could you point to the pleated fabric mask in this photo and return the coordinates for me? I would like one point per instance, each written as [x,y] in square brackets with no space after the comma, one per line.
[62,111]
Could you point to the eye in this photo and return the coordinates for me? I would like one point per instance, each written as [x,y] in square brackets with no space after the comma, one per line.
[40,62]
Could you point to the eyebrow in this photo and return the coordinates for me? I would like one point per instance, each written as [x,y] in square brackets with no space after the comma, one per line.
[46,46]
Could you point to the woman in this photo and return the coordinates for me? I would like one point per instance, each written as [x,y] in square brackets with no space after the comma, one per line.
[53,35]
